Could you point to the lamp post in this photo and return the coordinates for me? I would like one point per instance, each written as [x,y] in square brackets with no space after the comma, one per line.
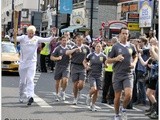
[91,22]
[12,19]
[56,20]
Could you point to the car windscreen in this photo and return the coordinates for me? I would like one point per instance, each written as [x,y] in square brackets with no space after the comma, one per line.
[8,48]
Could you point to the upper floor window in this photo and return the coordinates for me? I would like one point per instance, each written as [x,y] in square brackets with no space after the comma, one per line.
[77,1]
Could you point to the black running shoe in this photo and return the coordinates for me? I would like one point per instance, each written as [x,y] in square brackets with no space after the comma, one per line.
[30,101]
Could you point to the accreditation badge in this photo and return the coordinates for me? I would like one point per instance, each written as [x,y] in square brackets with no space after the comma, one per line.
[84,51]
[61,51]
[130,51]
[101,59]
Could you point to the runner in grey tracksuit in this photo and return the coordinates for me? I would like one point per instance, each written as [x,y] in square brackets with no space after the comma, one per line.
[78,54]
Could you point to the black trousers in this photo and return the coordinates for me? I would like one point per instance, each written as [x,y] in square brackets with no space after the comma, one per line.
[108,92]
[43,62]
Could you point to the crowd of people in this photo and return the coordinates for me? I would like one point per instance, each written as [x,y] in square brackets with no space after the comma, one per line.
[129,65]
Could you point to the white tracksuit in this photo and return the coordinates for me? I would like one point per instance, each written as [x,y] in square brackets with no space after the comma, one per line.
[28,59]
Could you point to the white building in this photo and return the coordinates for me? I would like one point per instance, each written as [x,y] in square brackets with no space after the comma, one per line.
[25,6]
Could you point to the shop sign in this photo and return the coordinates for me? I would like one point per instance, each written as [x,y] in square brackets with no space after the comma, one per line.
[133,17]
[133,26]
[128,7]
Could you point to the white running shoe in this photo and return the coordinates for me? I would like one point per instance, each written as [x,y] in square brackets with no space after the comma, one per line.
[63,95]
[57,98]
[21,99]
[123,114]
[93,108]
[75,101]
[117,117]
[88,100]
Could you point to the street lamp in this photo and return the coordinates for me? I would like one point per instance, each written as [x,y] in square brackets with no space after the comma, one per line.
[91,23]
[56,20]
[12,22]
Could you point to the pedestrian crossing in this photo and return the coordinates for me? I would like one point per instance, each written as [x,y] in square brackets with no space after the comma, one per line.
[36,78]
[48,101]
[132,114]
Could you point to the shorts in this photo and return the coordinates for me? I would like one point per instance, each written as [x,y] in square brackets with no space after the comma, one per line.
[152,84]
[96,81]
[121,84]
[61,72]
[78,76]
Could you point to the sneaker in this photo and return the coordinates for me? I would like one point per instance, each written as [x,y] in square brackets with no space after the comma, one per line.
[117,117]
[21,99]
[93,108]
[123,114]
[30,101]
[148,113]
[75,101]
[148,110]
[57,98]
[63,96]
[88,100]
[154,115]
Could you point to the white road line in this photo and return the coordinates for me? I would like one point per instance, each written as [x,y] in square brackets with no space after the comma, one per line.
[35,80]
[108,106]
[38,73]
[41,102]
[137,109]
[67,95]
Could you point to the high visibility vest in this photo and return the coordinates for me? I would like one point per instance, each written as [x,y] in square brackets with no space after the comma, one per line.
[109,66]
[45,50]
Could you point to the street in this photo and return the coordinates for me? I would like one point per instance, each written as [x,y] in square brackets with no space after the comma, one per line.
[46,108]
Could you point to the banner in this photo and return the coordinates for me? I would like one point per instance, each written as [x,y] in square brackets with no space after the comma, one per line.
[66,6]
[145,13]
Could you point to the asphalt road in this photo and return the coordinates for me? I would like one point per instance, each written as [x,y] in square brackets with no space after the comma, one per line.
[46,108]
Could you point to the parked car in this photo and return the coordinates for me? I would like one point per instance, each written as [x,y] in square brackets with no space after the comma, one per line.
[9,57]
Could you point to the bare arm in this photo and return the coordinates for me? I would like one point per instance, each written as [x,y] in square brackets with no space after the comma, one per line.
[55,58]
[135,59]
[119,58]
[144,63]
[154,51]
[70,52]
[85,64]
[41,39]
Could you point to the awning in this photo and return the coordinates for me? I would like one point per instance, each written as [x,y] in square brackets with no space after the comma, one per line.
[71,28]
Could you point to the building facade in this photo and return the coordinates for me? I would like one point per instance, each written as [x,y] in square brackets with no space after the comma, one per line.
[36,14]
[23,6]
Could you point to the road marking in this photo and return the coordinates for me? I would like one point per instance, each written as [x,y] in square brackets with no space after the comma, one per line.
[36,78]
[35,81]
[137,109]
[41,102]
[108,106]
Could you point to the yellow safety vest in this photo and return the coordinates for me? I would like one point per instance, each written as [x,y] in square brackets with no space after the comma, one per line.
[109,66]
[45,50]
